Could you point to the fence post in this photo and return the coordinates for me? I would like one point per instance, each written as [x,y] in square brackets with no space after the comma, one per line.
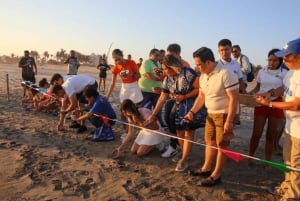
[7,86]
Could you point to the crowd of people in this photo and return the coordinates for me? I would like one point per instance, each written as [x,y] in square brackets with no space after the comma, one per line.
[164,94]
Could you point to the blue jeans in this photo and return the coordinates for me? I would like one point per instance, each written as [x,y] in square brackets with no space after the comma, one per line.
[149,101]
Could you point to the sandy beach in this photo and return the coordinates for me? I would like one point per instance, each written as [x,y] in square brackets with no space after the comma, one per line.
[40,163]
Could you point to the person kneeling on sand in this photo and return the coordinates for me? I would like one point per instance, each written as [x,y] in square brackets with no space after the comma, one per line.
[100,115]
[146,140]
[71,93]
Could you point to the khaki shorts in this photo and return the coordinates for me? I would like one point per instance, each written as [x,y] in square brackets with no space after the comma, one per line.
[214,130]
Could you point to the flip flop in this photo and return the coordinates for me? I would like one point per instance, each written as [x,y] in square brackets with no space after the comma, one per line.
[200,173]
[210,181]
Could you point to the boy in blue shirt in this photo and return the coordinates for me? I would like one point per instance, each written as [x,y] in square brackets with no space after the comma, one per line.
[99,115]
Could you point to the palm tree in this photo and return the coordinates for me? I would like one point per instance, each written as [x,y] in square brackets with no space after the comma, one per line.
[63,55]
[46,55]
[34,54]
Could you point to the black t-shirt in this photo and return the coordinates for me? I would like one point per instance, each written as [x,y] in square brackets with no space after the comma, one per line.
[28,70]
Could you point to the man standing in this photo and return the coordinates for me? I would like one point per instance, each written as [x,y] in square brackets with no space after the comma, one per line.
[225,48]
[175,50]
[219,88]
[73,63]
[27,64]
[150,81]
[290,187]
[243,62]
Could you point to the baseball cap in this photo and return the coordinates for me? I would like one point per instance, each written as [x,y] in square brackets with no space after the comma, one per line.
[292,47]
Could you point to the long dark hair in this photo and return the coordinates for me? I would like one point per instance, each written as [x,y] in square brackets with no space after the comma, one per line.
[129,106]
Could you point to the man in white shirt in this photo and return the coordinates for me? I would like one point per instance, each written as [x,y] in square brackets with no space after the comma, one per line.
[242,60]
[71,93]
[219,88]
[225,48]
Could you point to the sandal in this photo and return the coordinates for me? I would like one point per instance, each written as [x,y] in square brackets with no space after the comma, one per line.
[200,173]
[181,166]
[210,181]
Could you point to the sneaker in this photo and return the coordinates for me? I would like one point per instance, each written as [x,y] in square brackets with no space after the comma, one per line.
[74,124]
[170,152]
[82,129]
[181,167]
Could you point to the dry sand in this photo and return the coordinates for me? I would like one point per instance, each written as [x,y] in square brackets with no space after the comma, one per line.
[39,163]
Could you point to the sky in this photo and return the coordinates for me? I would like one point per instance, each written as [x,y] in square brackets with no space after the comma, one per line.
[137,26]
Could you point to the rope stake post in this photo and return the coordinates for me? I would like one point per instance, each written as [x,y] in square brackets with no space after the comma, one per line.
[7,86]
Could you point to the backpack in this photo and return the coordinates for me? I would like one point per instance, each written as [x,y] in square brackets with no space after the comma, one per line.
[250,75]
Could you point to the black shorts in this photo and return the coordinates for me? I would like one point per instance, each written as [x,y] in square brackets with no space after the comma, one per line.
[27,77]
[102,74]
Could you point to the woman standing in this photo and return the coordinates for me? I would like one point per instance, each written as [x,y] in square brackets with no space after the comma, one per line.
[269,83]
[183,84]
[103,67]
[129,74]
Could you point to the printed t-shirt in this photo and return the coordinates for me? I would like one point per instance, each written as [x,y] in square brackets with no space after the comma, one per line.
[128,67]
[270,79]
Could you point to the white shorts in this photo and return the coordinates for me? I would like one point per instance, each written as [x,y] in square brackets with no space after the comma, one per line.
[131,91]
[146,137]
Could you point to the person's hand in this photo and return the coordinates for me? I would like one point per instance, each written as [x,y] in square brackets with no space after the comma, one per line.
[266,95]
[262,100]
[149,120]
[124,74]
[179,98]
[115,153]
[228,126]
[189,116]
[157,71]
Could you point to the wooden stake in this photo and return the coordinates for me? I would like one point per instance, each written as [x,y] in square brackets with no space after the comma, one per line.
[7,86]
